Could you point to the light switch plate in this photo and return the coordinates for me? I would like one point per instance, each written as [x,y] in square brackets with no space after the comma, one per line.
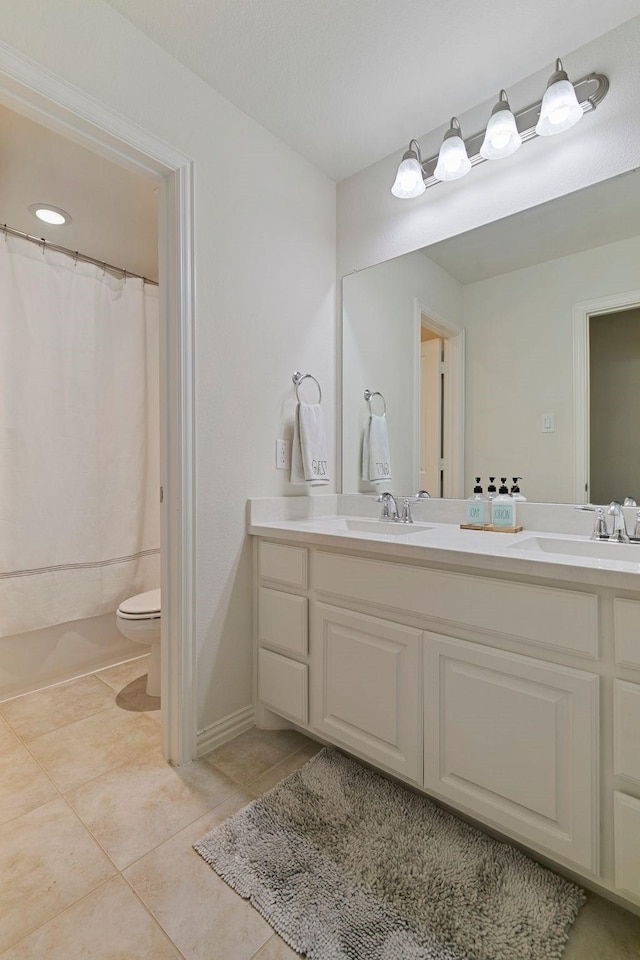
[283,454]
[548,424]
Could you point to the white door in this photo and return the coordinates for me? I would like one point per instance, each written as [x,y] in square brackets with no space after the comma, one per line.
[514,741]
[366,687]
[431,416]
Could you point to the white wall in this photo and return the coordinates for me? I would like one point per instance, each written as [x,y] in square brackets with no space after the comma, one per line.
[374,226]
[265,297]
[380,346]
[519,349]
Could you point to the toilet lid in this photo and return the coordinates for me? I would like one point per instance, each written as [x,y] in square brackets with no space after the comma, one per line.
[142,605]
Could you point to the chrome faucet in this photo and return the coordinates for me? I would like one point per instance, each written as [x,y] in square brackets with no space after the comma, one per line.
[619,532]
[391,510]
[389,506]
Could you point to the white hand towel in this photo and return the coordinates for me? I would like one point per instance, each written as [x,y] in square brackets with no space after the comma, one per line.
[309,453]
[376,465]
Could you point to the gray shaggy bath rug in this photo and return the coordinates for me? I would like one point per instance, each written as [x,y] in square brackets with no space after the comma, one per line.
[346,865]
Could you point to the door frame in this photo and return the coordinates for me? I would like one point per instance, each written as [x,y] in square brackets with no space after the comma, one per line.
[582,311]
[453,420]
[29,89]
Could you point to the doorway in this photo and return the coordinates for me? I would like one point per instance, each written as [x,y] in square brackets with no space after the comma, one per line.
[614,399]
[440,404]
[606,362]
[35,93]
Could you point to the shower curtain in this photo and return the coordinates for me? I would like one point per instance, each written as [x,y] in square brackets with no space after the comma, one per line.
[79,438]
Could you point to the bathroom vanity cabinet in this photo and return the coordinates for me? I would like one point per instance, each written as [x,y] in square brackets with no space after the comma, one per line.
[514,700]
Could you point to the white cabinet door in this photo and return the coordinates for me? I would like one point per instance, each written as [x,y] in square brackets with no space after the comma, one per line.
[366,687]
[514,741]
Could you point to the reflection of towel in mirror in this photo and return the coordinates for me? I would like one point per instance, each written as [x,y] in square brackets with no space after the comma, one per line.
[309,452]
[376,465]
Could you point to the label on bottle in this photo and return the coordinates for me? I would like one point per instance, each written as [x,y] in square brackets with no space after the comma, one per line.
[477,513]
[503,514]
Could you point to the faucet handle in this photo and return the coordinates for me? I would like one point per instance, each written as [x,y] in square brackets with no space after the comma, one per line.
[600,530]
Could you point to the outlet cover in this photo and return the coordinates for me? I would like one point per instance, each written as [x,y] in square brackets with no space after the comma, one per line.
[283,454]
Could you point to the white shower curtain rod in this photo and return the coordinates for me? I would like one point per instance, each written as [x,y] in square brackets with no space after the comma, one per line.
[74,253]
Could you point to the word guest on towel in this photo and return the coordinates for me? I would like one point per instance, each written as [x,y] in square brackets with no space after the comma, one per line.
[309,455]
[376,466]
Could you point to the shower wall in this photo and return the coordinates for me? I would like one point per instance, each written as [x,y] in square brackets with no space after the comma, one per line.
[29,661]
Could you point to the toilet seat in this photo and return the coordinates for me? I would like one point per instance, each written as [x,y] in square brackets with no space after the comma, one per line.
[144,606]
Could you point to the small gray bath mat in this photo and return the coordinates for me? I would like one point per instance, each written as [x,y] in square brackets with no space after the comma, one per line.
[346,865]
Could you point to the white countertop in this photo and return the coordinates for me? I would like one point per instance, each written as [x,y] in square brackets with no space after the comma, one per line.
[529,553]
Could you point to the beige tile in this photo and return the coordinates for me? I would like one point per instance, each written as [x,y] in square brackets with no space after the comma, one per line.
[108,924]
[47,862]
[284,769]
[8,739]
[88,748]
[23,785]
[134,698]
[54,707]
[135,807]
[251,754]
[124,673]
[276,949]
[202,915]
[603,931]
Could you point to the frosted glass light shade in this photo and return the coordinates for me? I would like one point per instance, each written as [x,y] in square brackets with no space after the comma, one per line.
[560,109]
[501,138]
[409,182]
[453,161]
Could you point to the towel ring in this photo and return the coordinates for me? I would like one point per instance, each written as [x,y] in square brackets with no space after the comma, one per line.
[299,377]
[368,395]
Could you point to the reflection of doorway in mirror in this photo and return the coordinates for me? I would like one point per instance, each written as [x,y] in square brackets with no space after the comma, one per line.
[614,403]
[607,452]
[431,388]
[440,402]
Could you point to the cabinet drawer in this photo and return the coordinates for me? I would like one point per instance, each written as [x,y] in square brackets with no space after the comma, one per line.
[283,564]
[626,712]
[282,621]
[562,619]
[626,812]
[626,619]
[514,740]
[283,685]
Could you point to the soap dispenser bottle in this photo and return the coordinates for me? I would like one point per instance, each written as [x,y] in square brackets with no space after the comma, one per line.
[477,507]
[515,490]
[503,507]
[491,489]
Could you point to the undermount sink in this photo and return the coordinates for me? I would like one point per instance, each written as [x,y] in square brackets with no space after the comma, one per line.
[595,549]
[379,528]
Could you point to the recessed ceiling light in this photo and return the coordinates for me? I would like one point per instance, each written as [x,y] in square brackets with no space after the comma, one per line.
[55,216]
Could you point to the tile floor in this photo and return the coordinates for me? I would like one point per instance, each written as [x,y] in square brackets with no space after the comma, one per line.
[96,833]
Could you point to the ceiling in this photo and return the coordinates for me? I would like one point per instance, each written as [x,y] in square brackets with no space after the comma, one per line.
[347,82]
[604,213]
[114,212]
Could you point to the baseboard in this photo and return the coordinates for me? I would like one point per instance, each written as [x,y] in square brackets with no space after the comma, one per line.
[220,731]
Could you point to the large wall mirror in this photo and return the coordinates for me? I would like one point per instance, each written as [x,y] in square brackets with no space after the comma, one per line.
[511,350]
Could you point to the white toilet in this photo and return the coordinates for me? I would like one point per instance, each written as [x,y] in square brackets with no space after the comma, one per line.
[138,618]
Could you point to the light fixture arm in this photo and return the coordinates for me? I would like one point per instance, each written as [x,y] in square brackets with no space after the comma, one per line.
[590,92]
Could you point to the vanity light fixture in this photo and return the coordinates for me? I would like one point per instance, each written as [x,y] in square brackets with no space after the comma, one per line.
[563,104]
[54,216]
[409,182]
[453,161]
[560,109]
[501,138]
